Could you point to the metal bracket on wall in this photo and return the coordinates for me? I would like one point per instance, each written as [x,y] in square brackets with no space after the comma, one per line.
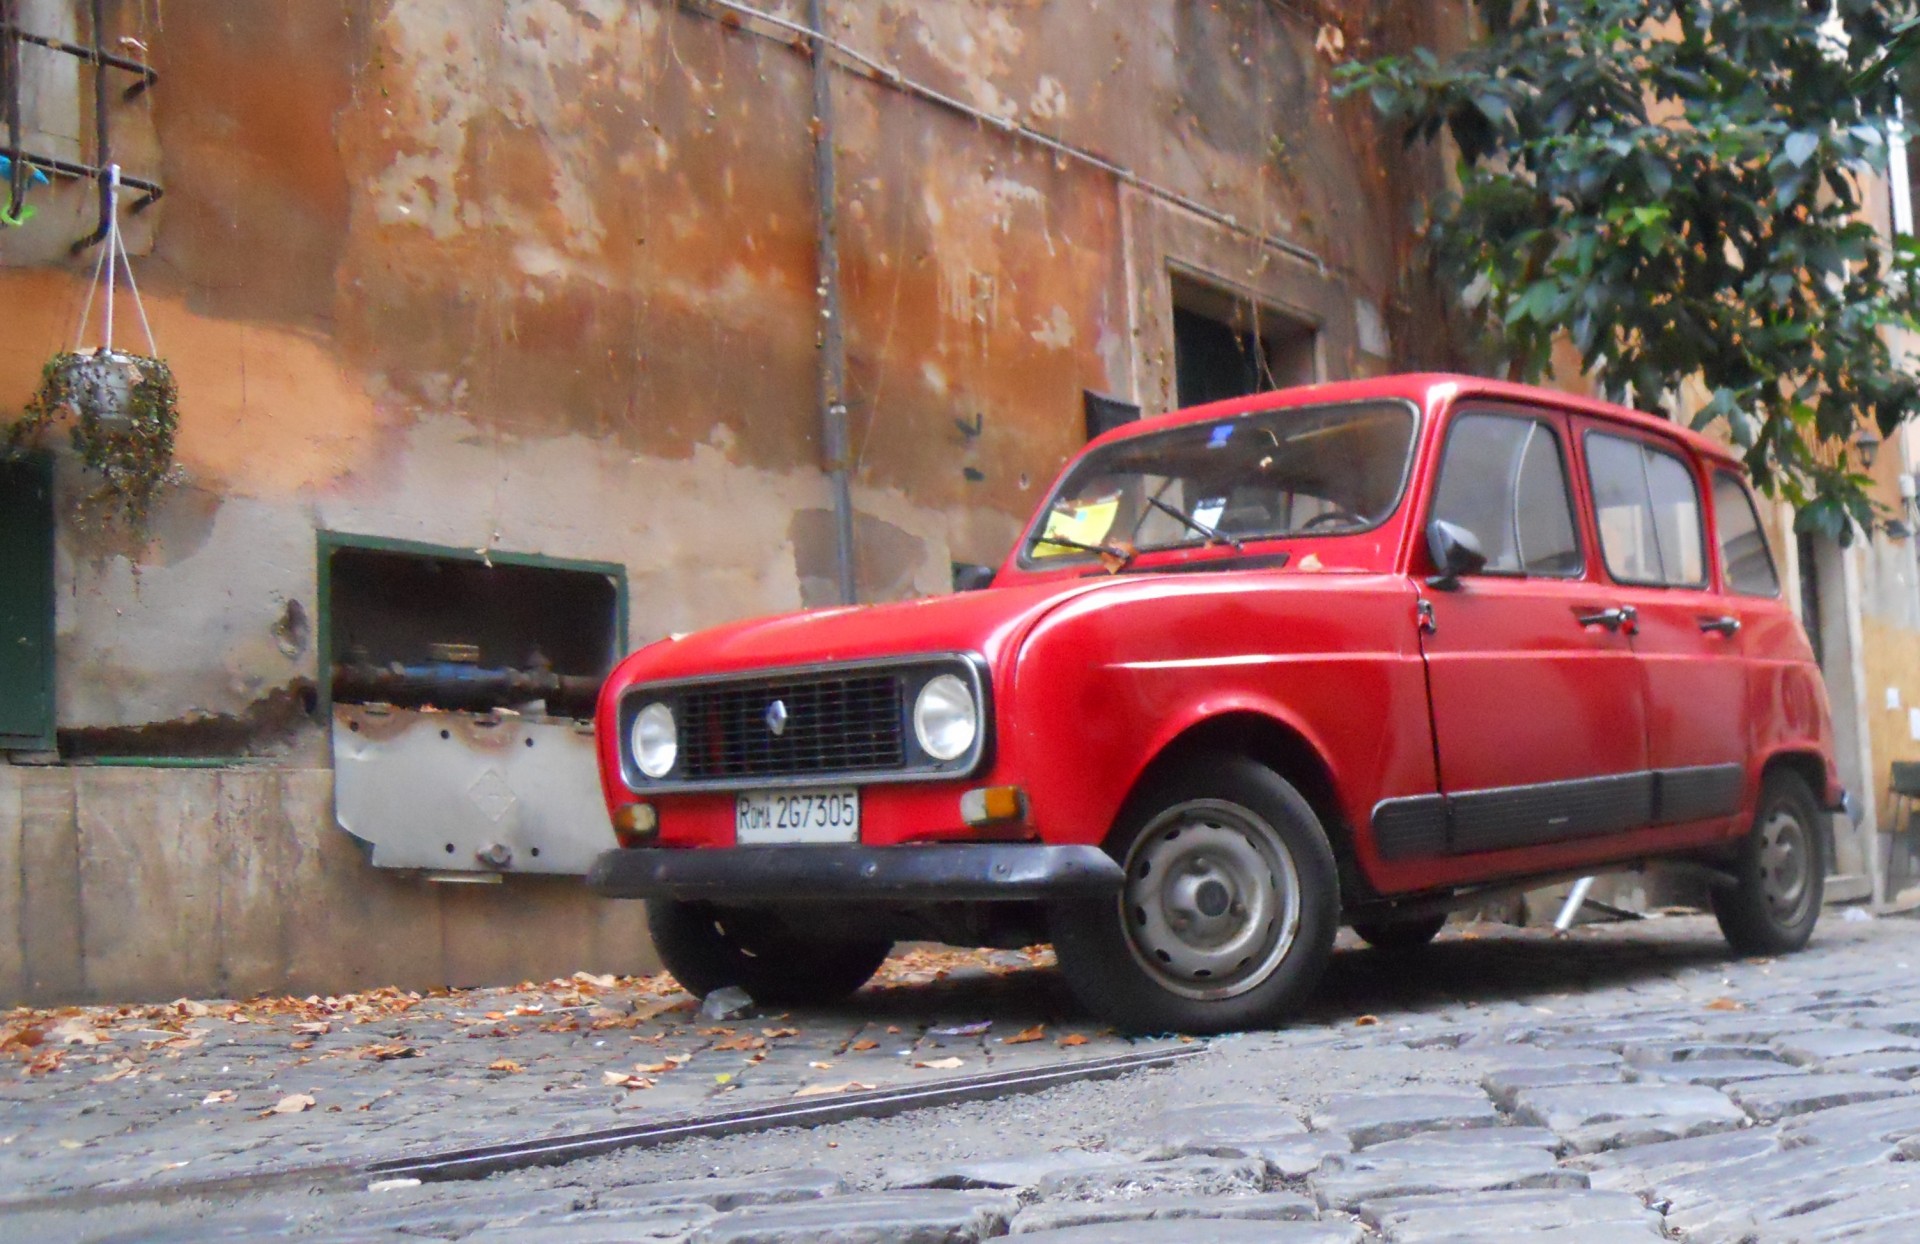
[12,35]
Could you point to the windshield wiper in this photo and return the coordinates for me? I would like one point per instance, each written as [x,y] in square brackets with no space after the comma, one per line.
[1118,552]
[1210,533]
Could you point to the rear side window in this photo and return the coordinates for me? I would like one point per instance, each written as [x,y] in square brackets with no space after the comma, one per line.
[1745,560]
[1648,509]
[1504,479]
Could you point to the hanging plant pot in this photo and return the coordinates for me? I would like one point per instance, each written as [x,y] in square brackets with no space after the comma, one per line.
[123,411]
[122,408]
[97,387]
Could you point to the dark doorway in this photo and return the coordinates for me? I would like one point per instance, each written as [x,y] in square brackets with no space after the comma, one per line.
[1227,345]
[26,603]
[1808,548]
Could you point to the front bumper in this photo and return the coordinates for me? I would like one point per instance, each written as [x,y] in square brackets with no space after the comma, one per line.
[963,872]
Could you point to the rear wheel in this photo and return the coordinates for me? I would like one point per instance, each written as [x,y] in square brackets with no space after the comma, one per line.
[708,948]
[1400,934]
[1228,912]
[1780,872]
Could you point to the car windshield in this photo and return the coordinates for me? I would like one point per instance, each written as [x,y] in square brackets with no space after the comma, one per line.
[1302,471]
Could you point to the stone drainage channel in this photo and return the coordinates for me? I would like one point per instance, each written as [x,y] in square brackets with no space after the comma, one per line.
[480,1162]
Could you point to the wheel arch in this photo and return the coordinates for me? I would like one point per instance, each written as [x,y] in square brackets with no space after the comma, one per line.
[1280,747]
[1809,767]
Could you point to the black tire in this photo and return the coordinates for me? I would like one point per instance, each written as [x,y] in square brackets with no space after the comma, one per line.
[1400,934]
[708,948]
[1256,875]
[1781,873]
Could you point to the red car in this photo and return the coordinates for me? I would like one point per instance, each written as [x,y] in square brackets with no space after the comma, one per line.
[1354,653]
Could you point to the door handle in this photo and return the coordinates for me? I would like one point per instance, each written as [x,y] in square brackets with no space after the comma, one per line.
[1613,619]
[1727,625]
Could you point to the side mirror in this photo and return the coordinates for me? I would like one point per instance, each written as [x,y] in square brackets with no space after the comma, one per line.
[968,577]
[1455,552]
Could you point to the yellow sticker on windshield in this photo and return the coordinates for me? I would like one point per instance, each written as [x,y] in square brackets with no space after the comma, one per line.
[1085,523]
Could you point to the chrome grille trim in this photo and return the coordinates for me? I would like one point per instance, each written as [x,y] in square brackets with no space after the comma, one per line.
[847,724]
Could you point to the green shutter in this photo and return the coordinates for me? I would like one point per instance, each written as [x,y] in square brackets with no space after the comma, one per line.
[26,604]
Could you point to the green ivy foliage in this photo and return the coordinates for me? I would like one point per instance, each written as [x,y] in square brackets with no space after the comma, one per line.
[1673,186]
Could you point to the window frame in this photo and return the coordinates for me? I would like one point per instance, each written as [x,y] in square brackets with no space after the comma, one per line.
[1709,548]
[1553,423]
[1714,476]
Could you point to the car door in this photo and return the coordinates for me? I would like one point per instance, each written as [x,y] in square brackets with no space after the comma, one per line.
[1537,703]
[1651,520]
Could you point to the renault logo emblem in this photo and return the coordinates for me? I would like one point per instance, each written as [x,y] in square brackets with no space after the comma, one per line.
[777,718]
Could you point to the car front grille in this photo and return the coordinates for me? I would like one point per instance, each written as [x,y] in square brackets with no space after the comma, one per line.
[847,723]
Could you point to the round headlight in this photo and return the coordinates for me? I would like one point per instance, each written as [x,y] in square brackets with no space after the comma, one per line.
[655,741]
[945,718]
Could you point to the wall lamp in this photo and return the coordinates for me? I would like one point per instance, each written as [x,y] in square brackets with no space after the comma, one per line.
[1867,445]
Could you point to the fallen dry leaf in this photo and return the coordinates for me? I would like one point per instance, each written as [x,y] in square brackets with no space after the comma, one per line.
[1726,1004]
[319,1028]
[43,1062]
[388,1051]
[941,1064]
[301,1045]
[78,1030]
[741,1043]
[1072,1038]
[292,1103]
[1366,1021]
[122,1068]
[668,1063]
[219,1097]
[1036,1033]
[864,1046]
[620,1079]
[777,1033]
[893,1029]
[821,1066]
[507,1065]
[186,1006]
[815,1090]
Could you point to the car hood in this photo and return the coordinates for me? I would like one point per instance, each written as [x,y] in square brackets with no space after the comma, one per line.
[987,622]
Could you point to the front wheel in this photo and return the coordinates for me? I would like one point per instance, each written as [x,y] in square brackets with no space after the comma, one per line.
[707,948]
[1780,873]
[1228,912]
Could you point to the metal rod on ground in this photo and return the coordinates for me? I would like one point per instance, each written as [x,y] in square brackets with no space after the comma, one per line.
[1570,910]
[833,342]
[485,1160]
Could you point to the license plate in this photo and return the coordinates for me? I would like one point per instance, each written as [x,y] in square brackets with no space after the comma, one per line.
[797,816]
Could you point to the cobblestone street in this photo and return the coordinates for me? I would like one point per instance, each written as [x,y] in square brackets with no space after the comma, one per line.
[1627,1082]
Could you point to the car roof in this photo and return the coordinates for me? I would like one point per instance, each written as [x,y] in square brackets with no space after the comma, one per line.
[1424,389]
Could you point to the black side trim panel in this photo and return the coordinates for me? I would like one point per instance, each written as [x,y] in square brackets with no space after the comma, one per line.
[1425,826]
[1699,793]
[1411,827]
[1524,816]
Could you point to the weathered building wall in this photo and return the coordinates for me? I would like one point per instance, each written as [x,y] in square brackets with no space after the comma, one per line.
[538,276]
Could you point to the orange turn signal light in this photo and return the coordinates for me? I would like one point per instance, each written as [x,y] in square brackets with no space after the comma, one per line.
[634,823]
[992,804]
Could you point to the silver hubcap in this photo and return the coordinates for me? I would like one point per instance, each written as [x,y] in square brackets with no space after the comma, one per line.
[1212,901]
[1786,866]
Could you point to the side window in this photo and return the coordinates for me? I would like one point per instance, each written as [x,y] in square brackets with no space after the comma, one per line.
[1648,509]
[1745,560]
[1504,479]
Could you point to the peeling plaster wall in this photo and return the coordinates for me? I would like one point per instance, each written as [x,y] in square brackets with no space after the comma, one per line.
[537,275]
